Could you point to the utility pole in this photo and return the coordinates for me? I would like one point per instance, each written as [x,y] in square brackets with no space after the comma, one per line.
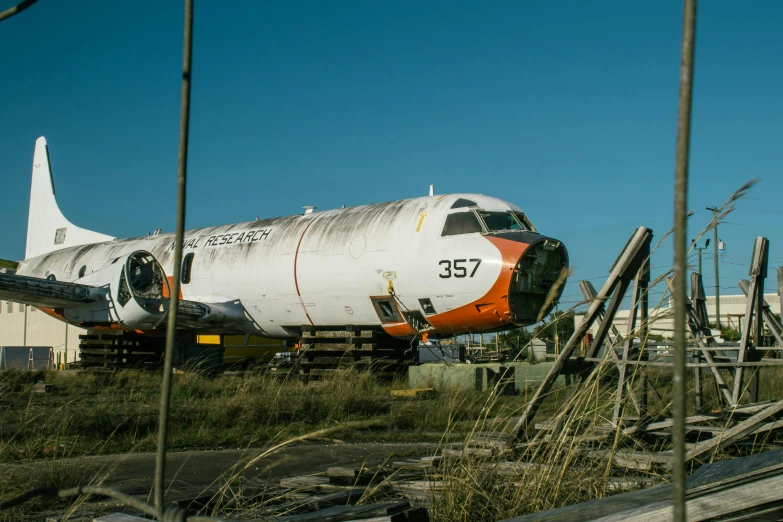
[715,259]
[699,250]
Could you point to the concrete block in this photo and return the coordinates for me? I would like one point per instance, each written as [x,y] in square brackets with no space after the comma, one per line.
[479,377]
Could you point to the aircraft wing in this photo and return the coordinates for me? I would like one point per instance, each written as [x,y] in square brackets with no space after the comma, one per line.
[228,316]
[43,292]
[46,293]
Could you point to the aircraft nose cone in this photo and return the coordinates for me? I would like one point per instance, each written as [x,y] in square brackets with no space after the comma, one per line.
[538,280]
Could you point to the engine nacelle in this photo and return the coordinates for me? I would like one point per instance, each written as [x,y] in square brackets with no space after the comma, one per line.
[134,294]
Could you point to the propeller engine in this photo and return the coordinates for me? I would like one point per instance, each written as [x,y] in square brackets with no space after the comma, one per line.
[136,295]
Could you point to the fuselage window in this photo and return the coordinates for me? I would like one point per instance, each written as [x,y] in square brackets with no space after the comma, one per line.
[426,305]
[499,221]
[82,271]
[386,310]
[461,223]
[187,264]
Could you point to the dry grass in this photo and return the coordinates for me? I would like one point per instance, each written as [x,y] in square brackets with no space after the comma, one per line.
[541,476]
[95,413]
[260,411]
[18,479]
[569,466]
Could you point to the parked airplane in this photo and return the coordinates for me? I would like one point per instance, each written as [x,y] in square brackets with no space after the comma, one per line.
[441,264]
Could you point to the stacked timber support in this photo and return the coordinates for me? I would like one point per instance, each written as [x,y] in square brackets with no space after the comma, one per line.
[620,361]
[702,336]
[630,261]
[118,349]
[326,351]
[753,308]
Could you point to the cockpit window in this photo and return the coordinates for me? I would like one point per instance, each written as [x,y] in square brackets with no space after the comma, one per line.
[461,223]
[500,221]
[462,203]
[525,221]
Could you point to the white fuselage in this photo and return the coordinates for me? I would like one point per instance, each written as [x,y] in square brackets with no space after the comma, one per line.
[324,268]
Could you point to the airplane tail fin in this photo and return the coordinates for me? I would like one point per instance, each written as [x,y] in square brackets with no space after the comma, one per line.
[47,229]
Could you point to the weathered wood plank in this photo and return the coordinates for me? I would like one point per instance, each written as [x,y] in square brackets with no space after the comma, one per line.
[713,506]
[668,423]
[354,477]
[637,460]
[468,452]
[758,271]
[349,496]
[735,433]
[340,513]
[119,517]
[639,286]
[311,484]
[713,485]
[423,463]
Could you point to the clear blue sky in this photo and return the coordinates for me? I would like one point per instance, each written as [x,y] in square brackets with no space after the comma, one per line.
[567,109]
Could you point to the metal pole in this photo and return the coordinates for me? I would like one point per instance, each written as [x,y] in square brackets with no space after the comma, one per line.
[65,344]
[699,249]
[24,333]
[680,215]
[715,250]
[171,332]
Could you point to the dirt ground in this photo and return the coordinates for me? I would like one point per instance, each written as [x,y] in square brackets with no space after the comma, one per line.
[191,472]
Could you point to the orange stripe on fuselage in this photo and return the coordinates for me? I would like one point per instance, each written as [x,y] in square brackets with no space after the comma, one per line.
[492,310]
[59,316]
[399,330]
[166,293]
[52,312]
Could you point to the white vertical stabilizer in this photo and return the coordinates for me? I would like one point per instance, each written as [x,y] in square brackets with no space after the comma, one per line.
[47,228]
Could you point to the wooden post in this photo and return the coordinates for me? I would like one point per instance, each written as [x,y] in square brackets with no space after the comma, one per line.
[699,302]
[630,329]
[758,271]
[770,319]
[698,331]
[735,433]
[780,291]
[643,332]
[755,354]
[621,366]
[611,310]
[698,299]
[588,290]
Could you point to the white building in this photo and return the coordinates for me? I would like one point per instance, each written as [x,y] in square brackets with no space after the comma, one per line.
[732,312]
[22,325]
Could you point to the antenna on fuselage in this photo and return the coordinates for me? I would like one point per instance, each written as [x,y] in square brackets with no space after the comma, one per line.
[432,190]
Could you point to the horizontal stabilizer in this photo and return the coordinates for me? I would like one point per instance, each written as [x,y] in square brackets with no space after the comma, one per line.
[9,265]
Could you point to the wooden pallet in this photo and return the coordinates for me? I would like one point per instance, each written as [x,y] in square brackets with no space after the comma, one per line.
[117,351]
[327,351]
